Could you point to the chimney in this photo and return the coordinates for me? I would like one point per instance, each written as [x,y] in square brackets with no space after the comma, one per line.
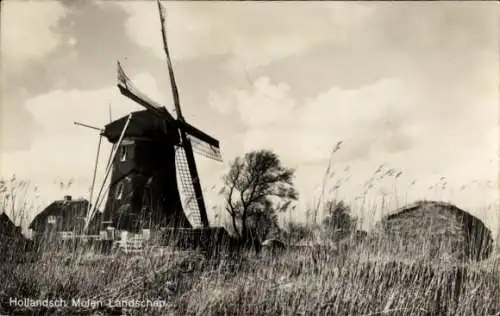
[67,197]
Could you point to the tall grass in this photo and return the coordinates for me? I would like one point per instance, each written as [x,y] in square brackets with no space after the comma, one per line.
[18,199]
[309,281]
[360,278]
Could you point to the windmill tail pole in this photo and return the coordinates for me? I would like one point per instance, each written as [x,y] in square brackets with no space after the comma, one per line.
[87,221]
[112,159]
[99,202]
[108,163]
[88,126]
[109,112]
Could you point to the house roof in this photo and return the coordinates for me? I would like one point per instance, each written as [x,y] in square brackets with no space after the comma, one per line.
[428,204]
[409,220]
[58,208]
[435,206]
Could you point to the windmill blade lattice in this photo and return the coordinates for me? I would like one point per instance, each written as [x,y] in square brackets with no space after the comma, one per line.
[187,193]
[203,148]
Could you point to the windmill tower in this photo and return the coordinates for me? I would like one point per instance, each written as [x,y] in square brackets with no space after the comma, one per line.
[154,180]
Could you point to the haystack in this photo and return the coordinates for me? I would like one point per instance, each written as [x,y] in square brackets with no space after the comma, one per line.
[436,229]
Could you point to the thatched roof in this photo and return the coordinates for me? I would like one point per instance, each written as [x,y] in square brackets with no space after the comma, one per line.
[438,224]
[429,204]
[66,207]
[144,124]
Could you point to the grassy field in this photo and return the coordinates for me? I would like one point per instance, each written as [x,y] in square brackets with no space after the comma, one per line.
[359,279]
[307,281]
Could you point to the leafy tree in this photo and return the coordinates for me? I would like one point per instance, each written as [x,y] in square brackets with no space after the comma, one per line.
[256,187]
[338,222]
[264,224]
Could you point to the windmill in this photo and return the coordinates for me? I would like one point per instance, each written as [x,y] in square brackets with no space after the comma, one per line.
[152,153]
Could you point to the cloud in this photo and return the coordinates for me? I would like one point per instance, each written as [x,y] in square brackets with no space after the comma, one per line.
[218,103]
[265,104]
[27,30]
[62,150]
[274,118]
[251,34]
[411,86]
[388,121]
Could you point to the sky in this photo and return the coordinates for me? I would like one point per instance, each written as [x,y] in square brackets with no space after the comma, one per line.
[413,86]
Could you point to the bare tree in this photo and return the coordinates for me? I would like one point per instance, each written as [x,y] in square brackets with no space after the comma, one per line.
[256,184]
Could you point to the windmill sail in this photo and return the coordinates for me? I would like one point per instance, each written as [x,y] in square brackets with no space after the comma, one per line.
[202,143]
[175,91]
[187,192]
[128,89]
[205,149]
[186,142]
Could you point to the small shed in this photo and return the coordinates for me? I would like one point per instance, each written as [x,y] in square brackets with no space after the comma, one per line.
[436,228]
[63,216]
